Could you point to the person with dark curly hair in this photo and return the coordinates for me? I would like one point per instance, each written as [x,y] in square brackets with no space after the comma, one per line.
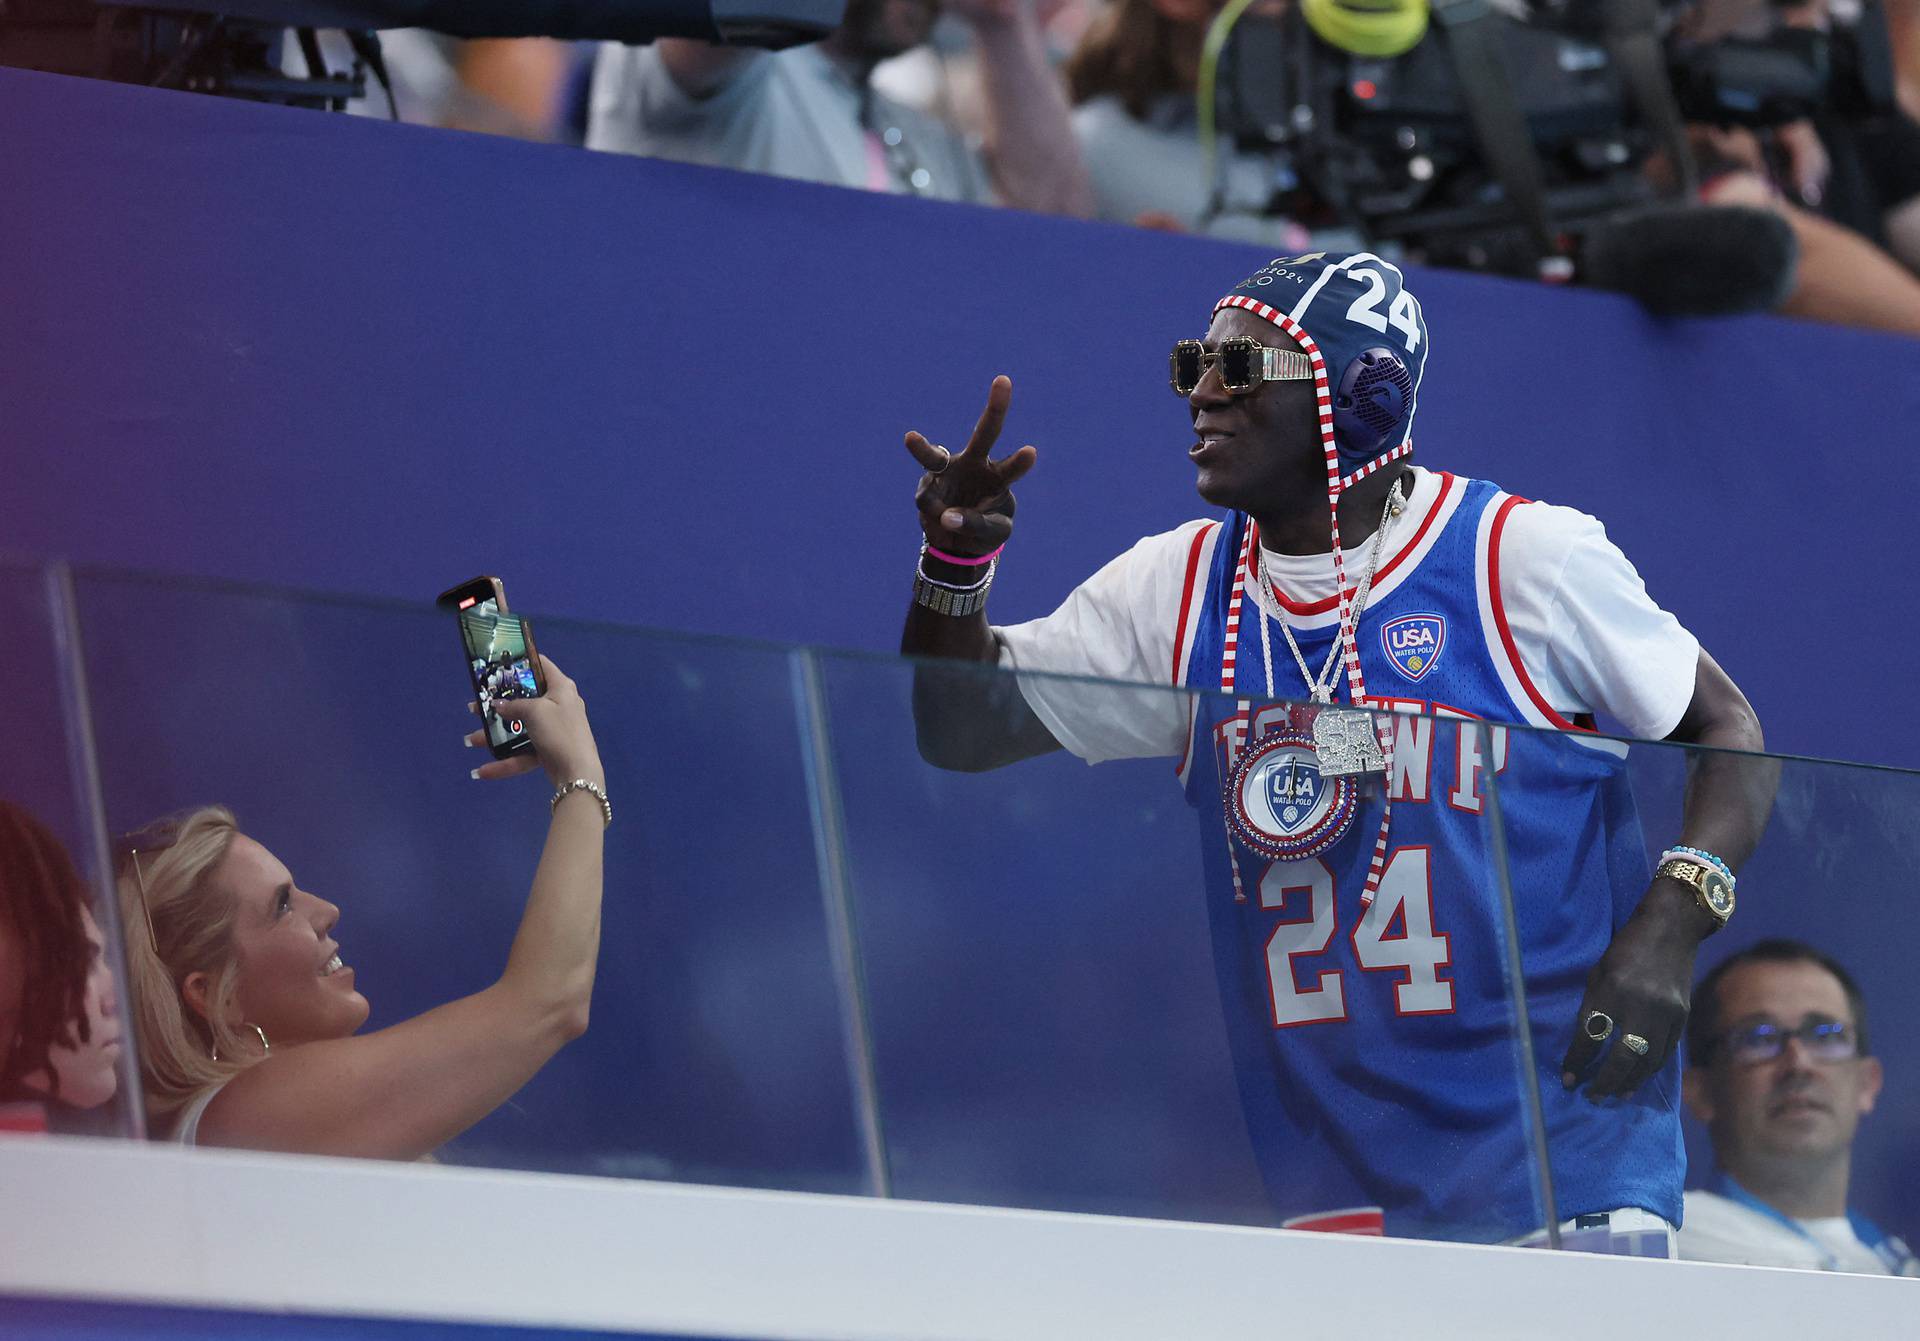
[59,1013]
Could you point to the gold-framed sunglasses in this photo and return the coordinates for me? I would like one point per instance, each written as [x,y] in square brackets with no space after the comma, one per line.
[1244,364]
[130,850]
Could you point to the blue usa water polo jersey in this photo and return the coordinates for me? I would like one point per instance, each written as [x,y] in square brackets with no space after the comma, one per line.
[1375,1051]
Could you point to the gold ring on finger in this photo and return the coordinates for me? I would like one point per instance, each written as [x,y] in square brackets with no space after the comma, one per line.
[946,459]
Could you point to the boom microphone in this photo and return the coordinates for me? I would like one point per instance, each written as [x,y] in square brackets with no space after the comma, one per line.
[1695,261]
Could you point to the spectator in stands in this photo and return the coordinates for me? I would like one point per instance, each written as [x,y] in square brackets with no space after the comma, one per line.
[1132,80]
[942,75]
[1336,1121]
[59,1013]
[1780,1072]
[811,112]
[247,1014]
[527,88]
[515,86]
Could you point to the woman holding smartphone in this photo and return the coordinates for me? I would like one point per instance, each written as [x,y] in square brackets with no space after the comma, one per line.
[247,1013]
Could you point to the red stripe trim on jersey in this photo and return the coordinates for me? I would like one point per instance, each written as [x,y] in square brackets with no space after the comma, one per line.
[1186,599]
[1340,1222]
[1500,620]
[1426,524]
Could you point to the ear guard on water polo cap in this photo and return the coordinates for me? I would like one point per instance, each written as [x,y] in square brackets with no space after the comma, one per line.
[1352,314]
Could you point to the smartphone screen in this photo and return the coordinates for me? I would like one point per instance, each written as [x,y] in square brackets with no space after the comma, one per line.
[500,657]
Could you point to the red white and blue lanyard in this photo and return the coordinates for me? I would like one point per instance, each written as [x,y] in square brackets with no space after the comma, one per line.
[1892,1252]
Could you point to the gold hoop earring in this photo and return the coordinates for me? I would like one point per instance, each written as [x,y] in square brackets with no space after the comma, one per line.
[213,1049]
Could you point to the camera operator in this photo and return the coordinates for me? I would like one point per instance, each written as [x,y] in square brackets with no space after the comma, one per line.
[1834,155]
[1132,81]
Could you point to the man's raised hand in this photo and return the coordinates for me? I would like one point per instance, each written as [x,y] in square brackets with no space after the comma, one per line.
[966,500]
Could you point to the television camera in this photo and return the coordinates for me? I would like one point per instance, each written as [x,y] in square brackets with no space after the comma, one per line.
[1510,139]
[235,47]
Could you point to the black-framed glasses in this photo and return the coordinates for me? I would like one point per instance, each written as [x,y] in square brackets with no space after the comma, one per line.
[1244,364]
[1822,1039]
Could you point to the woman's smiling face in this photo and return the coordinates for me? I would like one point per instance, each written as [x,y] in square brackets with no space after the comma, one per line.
[291,982]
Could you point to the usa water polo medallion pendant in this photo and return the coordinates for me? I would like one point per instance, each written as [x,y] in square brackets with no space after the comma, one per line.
[1346,743]
[1283,804]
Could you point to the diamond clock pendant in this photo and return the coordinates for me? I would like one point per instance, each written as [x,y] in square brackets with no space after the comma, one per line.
[1282,803]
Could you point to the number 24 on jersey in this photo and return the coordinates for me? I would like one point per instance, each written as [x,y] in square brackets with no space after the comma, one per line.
[1417,954]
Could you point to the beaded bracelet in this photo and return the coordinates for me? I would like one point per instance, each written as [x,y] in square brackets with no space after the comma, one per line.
[1698,855]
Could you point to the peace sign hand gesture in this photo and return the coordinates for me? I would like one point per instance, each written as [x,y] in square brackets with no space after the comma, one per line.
[966,501]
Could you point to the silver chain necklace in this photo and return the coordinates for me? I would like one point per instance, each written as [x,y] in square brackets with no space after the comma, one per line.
[1320,688]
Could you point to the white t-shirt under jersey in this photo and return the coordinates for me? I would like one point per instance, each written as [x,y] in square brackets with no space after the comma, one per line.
[1589,636]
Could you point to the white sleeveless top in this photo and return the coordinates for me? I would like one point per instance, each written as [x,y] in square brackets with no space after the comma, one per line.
[187,1129]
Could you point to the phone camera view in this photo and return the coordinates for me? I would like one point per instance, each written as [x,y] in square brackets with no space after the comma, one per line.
[501,664]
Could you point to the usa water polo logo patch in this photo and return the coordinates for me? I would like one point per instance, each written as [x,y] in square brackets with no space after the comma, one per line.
[1281,805]
[1414,642]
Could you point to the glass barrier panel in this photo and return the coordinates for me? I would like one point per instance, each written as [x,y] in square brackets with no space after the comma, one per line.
[334,731]
[64,1063]
[1807,1123]
[1085,997]
[1154,987]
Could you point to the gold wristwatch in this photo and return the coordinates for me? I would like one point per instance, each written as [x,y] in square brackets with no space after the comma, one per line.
[1712,889]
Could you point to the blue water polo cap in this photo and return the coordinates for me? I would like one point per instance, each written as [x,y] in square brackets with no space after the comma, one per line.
[1367,339]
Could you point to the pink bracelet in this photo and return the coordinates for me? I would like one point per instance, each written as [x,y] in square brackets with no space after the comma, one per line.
[965,563]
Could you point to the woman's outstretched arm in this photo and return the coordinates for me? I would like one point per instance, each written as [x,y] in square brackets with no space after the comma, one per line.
[404,1091]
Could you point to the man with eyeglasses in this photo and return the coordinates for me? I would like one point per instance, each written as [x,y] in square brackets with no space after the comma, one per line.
[1778,1069]
[1350,860]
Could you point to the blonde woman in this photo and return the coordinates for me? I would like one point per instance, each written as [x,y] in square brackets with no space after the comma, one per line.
[247,1012]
